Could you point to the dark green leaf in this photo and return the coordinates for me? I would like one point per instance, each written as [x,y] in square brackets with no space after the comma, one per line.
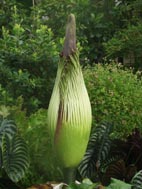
[15,157]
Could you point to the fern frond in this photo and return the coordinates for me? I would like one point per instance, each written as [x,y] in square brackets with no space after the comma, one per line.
[15,158]
[97,150]
[137,180]
[108,162]
[103,129]
[8,127]
[88,165]
[104,150]
[0,159]
[115,170]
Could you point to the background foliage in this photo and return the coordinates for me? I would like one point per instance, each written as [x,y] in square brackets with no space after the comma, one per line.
[28,57]
[31,34]
[115,95]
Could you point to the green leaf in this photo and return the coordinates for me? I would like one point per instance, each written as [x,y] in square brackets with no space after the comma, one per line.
[97,150]
[86,184]
[15,158]
[8,127]
[118,184]
[137,180]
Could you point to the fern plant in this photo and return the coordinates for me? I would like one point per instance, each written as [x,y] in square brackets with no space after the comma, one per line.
[13,151]
[106,158]
[8,127]
[97,150]
[129,161]
[118,170]
[137,180]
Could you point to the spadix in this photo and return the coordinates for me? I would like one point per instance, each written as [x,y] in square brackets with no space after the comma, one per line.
[69,113]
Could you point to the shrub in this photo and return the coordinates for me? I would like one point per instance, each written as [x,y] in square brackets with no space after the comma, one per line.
[43,163]
[115,96]
[28,61]
[125,42]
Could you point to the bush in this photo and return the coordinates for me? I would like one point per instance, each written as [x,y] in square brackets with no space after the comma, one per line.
[43,160]
[28,62]
[115,96]
[125,42]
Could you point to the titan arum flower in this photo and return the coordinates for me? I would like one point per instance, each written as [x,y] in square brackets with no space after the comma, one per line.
[69,113]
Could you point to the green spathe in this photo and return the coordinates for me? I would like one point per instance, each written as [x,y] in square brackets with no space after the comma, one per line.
[69,113]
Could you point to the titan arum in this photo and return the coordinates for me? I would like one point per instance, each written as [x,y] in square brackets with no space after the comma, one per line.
[69,113]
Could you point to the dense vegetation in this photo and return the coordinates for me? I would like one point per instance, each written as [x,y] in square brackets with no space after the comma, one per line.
[31,38]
